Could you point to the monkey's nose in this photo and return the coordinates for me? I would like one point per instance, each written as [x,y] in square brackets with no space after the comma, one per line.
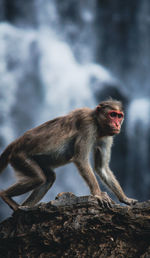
[118,125]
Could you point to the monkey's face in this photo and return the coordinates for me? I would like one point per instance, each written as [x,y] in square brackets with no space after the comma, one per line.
[110,120]
[115,119]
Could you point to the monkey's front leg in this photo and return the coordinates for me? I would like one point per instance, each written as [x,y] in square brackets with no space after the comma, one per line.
[109,179]
[101,160]
[128,201]
[89,177]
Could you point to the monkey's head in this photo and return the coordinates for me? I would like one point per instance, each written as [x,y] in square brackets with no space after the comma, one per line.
[110,116]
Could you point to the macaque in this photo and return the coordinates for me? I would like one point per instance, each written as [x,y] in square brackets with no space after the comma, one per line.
[62,140]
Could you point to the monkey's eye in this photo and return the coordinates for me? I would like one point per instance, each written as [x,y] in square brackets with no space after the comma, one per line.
[113,114]
[120,115]
[116,114]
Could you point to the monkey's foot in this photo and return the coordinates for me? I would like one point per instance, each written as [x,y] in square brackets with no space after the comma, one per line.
[11,203]
[129,201]
[105,200]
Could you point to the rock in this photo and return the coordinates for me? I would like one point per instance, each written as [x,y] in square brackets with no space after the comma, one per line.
[71,226]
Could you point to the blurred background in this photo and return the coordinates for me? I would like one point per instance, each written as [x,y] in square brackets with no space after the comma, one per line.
[59,55]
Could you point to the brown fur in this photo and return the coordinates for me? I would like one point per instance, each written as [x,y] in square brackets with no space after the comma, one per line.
[57,142]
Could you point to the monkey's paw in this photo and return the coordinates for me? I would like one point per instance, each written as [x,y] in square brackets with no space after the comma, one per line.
[104,200]
[24,208]
[129,201]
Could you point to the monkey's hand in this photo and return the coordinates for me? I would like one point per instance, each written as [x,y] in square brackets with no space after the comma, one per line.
[25,208]
[104,200]
[128,201]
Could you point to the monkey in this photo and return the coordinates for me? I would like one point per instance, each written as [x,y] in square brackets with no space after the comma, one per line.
[62,140]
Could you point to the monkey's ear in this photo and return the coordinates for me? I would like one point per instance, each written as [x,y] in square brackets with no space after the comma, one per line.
[98,108]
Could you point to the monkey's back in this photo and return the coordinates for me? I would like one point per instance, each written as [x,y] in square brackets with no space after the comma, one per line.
[54,134]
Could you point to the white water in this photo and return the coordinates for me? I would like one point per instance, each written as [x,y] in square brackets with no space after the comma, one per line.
[48,69]
[138,128]
[61,84]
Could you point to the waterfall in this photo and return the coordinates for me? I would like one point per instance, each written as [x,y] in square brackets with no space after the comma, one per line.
[53,58]
[44,74]
[138,131]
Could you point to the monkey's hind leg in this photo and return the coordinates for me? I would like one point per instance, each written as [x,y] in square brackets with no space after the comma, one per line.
[30,176]
[39,192]
[11,203]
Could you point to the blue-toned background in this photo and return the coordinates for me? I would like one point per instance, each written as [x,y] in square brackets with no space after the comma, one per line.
[59,55]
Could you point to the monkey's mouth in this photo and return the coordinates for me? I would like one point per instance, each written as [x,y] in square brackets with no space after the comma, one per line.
[115,131]
[111,130]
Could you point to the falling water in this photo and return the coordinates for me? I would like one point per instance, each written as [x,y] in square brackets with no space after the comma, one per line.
[41,77]
[49,64]
[138,131]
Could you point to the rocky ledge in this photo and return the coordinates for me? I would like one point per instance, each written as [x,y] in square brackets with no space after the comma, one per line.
[71,226]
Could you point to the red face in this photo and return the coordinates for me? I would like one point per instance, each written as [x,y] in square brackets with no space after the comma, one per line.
[115,118]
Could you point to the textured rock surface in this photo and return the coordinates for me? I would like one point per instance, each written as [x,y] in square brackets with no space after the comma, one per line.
[73,226]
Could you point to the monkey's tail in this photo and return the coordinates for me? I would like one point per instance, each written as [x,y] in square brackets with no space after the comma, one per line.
[4,158]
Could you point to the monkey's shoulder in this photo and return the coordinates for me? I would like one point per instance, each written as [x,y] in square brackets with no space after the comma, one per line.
[81,118]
